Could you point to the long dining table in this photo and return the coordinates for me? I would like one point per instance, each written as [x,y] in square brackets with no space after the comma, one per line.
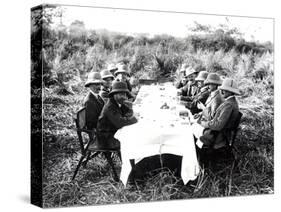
[162,128]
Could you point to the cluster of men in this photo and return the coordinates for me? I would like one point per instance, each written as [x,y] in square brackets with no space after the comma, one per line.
[107,104]
[209,98]
[212,102]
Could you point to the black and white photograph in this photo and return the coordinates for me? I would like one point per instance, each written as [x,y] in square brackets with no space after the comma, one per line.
[133,105]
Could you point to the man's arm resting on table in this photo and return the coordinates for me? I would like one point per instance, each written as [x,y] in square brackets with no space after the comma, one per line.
[118,120]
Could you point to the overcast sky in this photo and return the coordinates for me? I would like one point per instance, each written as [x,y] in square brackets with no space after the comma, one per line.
[176,24]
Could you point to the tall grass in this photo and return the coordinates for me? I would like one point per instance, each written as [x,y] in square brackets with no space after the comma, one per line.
[251,174]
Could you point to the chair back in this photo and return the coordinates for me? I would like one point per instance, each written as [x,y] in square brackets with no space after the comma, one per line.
[81,118]
[234,130]
[80,121]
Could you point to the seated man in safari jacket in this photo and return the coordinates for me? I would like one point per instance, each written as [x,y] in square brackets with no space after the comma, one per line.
[201,96]
[211,133]
[182,77]
[107,78]
[190,89]
[116,114]
[122,74]
[93,102]
[214,100]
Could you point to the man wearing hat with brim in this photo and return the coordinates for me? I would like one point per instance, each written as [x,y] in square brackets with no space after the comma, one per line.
[107,78]
[112,68]
[214,100]
[93,102]
[122,74]
[201,96]
[214,134]
[116,114]
[182,78]
[190,88]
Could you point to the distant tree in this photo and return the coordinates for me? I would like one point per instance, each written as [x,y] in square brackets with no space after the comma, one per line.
[200,28]
[77,31]
[42,38]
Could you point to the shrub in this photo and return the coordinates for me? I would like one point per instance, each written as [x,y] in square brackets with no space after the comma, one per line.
[95,58]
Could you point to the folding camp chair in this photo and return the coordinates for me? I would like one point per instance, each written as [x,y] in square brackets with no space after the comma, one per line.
[209,154]
[89,147]
[234,131]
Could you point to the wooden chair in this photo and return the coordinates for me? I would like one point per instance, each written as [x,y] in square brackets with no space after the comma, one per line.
[89,148]
[234,131]
[209,154]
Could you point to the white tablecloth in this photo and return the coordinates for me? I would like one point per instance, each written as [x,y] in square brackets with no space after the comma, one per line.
[158,131]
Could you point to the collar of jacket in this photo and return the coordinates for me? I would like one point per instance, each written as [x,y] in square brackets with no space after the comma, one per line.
[203,89]
[112,101]
[193,83]
[212,96]
[230,98]
[214,93]
[95,94]
[105,89]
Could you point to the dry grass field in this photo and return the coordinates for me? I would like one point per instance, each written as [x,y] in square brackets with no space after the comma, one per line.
[68,58]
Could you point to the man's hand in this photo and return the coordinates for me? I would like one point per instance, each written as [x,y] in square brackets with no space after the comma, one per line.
[128,103]
[200,105]
[183,81]
[179,92]
[199,143]
[204,124]
[197,115]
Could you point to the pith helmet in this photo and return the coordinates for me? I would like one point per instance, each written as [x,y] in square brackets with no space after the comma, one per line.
[202,76]
[122,68]
[119,87]
[111,67]
[190,71]
[93,78]
[106,74]
[213,78]
[230,85]
[183,68]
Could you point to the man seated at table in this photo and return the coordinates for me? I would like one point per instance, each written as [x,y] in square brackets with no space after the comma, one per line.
[93,102]
[201,97]
[190,88]
[122,75]
[116,114]
[212,133]
[111,68]
[135,86]
[107,84]
[182,77]
[214,100]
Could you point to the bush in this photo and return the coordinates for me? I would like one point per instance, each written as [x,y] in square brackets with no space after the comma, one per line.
[140,59]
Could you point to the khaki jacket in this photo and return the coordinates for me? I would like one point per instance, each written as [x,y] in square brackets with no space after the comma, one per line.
[112,118]
[224,119]
[179,84]
[212,103]
[190,89]
[201,96]
[93,108]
